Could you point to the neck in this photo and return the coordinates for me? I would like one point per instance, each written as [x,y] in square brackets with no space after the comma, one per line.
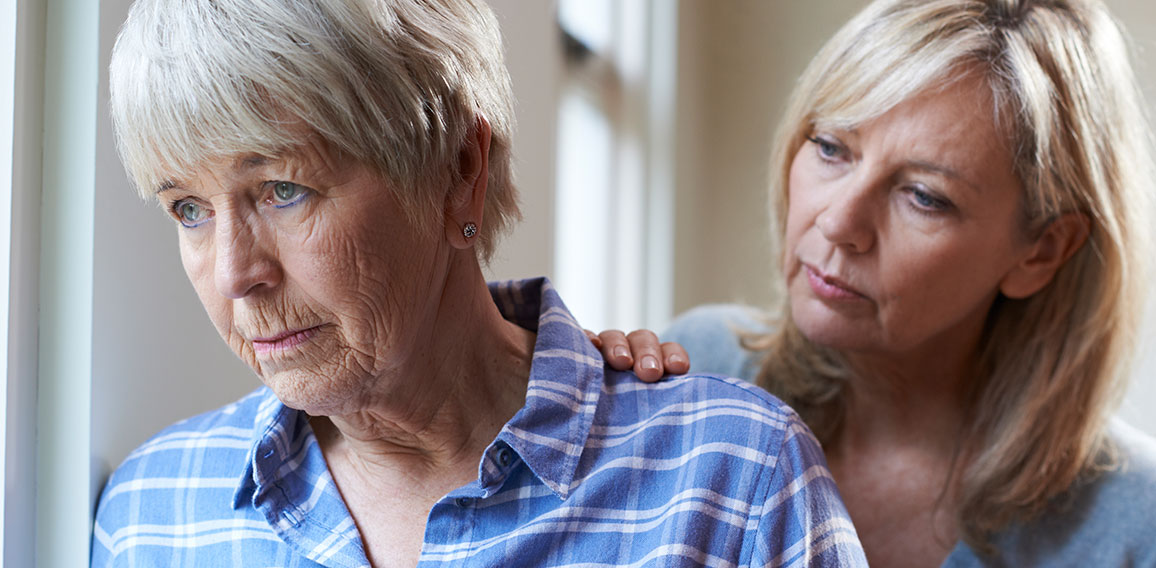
[914,400]
[463,378]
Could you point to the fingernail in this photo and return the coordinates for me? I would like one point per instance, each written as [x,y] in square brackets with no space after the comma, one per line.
[675,360]
[621,352]
[650,363]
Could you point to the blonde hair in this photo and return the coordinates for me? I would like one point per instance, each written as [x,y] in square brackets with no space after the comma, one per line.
[396,84]
[1052,365]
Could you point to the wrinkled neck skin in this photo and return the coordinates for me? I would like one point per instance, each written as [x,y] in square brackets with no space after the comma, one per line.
[910,401]
[448,398]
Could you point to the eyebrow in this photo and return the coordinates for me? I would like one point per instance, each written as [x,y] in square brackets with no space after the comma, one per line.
[251,161]
[941,170]
[243,163]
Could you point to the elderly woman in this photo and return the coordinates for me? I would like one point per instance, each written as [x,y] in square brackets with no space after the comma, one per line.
[962,195]
[337,171]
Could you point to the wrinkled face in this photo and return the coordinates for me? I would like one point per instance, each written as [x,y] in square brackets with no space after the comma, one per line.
[309,269]
[900,232]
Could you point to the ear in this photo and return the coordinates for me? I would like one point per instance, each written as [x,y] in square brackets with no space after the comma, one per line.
[1059,241]
[465,202]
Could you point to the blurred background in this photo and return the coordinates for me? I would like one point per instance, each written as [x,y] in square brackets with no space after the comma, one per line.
[641,154]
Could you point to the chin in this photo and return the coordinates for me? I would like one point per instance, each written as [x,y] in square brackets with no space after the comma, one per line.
[316,394]
[829,329]
[832,339]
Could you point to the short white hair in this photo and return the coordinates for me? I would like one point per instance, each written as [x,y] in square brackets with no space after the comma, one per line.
[396,84]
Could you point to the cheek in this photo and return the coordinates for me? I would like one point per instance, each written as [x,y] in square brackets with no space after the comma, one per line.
[197,260]
[354,275]
[325,261]
[941,283]
[341,255]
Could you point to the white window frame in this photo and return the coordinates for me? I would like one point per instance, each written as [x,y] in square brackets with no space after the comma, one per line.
[65,491]
[21,82]
[626,281]
[48,117]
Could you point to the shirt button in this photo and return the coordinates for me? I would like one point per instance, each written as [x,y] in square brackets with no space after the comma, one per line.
[505,456]
[465,502]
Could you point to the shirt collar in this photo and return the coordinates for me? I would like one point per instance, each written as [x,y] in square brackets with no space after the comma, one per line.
[566,377]
[273,425]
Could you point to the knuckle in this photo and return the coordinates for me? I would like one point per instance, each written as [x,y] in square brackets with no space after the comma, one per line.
[612,334]
[643,335]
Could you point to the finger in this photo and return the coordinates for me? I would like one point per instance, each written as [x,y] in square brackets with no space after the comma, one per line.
[675,358]
[593,337]
[647,354]
[616,350]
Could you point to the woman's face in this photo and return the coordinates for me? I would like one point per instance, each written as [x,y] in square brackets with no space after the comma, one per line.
[900,233]
[309,269]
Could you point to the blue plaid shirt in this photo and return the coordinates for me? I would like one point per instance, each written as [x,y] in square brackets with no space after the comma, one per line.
[597,469]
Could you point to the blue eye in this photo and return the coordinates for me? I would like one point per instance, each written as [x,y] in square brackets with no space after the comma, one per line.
[190,213]
[926,201]
[828,151]
[287,194]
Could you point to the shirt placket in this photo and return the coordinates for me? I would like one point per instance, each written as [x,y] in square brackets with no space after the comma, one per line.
[454,518]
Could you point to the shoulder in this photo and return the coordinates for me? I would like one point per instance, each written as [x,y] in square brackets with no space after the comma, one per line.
[694,388]
[1118,504]
[725,457]
[228,427]
[203,457]
[703,411]
[1107,520]
[712,336]
[1121,501]
[755,449]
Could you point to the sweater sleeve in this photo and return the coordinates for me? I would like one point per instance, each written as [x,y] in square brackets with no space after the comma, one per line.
[711,336]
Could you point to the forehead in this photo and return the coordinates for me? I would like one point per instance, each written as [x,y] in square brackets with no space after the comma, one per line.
[957,108]
[956,124]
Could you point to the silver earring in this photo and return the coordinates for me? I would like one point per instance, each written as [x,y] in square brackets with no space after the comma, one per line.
[469,230]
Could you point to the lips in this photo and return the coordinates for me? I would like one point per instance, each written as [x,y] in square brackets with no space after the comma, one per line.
[284,341]
[830,288]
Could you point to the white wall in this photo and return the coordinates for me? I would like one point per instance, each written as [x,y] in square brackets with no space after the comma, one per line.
[737,63]
[535,66]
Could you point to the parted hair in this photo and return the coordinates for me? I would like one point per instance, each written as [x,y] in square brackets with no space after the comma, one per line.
[395,84]
[1052,366]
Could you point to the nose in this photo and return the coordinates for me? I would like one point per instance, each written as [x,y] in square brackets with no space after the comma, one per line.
[849,219]
[244,264]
